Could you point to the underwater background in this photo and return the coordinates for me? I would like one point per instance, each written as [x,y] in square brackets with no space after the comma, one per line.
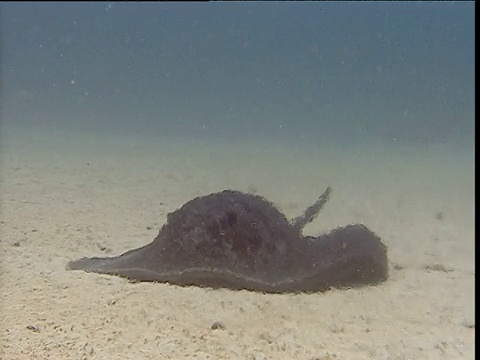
[115,114]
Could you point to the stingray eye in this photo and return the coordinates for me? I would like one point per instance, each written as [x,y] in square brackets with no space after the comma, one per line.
[231,218]
[227,220]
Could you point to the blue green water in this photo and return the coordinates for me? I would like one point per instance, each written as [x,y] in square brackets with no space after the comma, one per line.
[342,72]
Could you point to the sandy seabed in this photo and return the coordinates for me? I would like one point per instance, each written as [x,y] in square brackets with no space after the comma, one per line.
[67,195]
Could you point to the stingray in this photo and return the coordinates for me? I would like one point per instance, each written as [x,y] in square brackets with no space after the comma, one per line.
[239,241]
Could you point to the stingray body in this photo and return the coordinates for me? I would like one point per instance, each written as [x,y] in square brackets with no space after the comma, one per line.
[242,241]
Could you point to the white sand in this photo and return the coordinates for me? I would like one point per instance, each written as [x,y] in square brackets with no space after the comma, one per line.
[64,196]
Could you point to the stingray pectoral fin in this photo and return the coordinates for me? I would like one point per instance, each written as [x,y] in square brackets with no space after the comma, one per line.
[349,256]
[132,265]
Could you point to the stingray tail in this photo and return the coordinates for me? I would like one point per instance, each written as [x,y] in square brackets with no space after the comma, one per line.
[311,212]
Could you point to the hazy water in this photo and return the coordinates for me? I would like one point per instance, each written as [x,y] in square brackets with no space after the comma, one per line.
[337,72]
[125,105]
